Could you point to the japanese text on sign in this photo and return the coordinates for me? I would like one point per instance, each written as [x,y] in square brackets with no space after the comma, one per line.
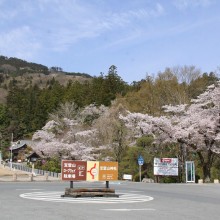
[74,170]
[89,170]
[166,166]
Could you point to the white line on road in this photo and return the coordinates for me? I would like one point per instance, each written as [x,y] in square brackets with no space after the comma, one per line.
[127,210]
[55,196]
[28,189]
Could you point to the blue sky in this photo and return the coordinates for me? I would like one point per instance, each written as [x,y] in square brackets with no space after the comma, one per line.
[140,37]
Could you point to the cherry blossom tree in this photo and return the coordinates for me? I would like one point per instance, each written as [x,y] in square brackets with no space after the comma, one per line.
[68,135]
[197,126]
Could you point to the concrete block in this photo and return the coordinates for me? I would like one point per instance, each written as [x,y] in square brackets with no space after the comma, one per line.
[147,180]
[46,176]
[15,177]
[216,181]
[200,181]
[31,177]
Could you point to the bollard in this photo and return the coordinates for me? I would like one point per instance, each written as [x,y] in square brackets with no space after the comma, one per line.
[216,181]
[15,176]
[46,176]
[200,181]
[31,177]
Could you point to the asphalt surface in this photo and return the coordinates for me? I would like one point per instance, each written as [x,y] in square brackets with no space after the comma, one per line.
[42,200]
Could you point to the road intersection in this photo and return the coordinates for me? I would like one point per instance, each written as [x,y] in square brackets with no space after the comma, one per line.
[42,200]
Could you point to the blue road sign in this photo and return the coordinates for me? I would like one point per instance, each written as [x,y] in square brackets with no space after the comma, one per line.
[140,160]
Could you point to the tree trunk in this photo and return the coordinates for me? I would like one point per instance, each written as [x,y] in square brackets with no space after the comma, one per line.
[206,168]
[206,159]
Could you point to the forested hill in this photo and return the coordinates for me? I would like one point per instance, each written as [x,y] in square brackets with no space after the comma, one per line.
[25,74]
[30,92]
[12,65]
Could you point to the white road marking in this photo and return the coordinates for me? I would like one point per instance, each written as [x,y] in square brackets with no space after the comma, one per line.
[56,197]
[28,189]
[114,183]
[127,210]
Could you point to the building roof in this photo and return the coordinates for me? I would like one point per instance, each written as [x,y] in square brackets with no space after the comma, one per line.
[19,144]
[33,154]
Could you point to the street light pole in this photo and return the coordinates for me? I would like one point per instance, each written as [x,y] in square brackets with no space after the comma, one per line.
[11,151]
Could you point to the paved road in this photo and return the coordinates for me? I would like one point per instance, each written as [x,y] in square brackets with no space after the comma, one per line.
[41,200]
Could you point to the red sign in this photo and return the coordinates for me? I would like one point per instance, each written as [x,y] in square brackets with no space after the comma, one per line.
[74,170]
[166,160]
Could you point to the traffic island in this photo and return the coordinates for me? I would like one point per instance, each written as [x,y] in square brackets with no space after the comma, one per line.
[89,192]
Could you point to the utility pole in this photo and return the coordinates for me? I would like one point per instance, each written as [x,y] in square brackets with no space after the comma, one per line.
[0,148]
[11,151]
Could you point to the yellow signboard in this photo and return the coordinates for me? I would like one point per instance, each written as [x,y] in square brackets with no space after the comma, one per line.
[108,171]
[92,171]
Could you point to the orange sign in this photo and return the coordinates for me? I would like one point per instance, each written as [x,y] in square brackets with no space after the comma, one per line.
[108,171]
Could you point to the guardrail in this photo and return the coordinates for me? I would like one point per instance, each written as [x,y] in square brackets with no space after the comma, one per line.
[22,167]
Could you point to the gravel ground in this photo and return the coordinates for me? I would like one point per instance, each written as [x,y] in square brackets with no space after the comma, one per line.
[5,171]
[7,175]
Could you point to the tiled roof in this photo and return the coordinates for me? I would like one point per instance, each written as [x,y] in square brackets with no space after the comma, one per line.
[20,144]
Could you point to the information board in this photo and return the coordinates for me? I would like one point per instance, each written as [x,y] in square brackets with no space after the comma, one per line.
[166,166]
[74,170]
[108,171]
[89,170]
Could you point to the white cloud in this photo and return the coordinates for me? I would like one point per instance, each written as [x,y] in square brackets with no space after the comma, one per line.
[127,17]
[184,4]
[72,22]
[59,24]
[18,42]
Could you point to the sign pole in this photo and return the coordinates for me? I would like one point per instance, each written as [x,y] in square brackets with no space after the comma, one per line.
[140,163]
[71,184]
[140,172]
[107,184]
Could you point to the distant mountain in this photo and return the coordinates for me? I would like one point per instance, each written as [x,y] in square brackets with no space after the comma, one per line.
[18,67]
[15,65]
[25,73]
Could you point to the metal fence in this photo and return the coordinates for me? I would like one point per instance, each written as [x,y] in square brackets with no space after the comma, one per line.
[22,167]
